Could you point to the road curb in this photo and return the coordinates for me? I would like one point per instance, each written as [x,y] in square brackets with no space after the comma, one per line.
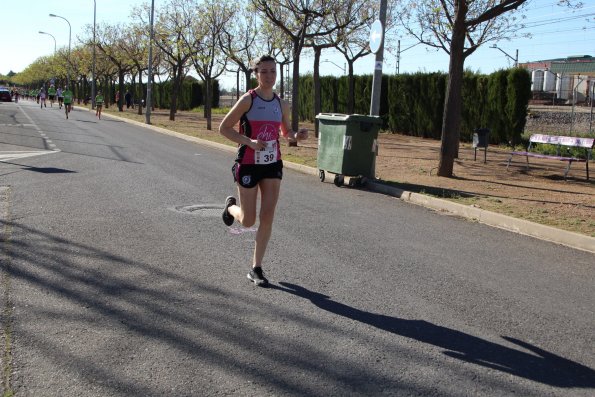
[521,226]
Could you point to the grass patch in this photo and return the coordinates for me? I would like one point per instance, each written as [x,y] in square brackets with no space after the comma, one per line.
[219,111]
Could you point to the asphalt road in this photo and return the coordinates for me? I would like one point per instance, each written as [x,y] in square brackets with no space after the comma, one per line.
[120,279]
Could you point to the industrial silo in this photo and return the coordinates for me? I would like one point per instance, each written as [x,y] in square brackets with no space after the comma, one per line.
[537,80]
[564,86]
[549,81]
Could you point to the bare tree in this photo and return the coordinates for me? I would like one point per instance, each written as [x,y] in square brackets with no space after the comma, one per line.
[459,27]
[135,47]
[171,34]
[280,47]
[204,47]
[140,16]
[353,42]
[239,42]
[80,66]
[351,17]
[301,21]
[108,41]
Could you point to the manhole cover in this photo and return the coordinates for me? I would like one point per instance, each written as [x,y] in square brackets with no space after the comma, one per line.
[206,210]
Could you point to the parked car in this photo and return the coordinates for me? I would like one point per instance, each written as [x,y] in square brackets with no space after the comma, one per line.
[5,95]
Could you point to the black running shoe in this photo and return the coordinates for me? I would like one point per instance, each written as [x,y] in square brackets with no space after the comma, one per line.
[256,275]
[228,219]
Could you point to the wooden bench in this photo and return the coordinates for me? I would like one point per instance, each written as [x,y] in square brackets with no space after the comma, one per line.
[559,142]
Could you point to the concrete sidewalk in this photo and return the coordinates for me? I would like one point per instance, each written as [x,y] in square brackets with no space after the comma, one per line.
[548,233]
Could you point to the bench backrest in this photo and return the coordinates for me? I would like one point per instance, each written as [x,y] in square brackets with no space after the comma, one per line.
[563,140]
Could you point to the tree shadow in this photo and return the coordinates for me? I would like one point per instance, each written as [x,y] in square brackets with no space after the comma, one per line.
[432,190]
[541,366]
[101,287]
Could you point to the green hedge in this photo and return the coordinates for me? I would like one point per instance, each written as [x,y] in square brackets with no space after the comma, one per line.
[413,104]
[190,96]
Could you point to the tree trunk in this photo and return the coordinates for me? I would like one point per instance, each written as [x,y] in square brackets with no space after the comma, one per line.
[295,90]
[106,95]
[173,106]
[237,88]
[121,89]
[248,86]
[317,105]
[85,89]
[281,81]
[451,119]
[351,84]
[208,101]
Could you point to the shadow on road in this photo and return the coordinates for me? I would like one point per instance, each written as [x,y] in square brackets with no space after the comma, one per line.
[90,290]
[541,366]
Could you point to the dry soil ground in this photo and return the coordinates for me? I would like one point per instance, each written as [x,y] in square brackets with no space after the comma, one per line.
[540,194]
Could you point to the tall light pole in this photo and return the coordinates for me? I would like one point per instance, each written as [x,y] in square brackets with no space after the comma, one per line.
[93,70]
[399,52]
[49,34]
[69,37]
[150,68]
[516,60]
[344,66]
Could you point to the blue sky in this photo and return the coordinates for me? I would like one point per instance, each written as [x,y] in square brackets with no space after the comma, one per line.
[556,33]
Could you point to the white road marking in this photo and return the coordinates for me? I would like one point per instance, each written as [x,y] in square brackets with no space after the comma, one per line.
[47,140]
[13,155]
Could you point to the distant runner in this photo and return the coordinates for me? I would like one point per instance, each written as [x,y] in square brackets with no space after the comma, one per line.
[52,94]
[60,97]
[98,104]
[42,103]
[67,100]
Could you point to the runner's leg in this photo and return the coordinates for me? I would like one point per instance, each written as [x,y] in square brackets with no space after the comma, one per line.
[269,191]
[245,213]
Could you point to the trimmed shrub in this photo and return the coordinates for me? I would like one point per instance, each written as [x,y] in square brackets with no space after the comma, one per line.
[518,93]
[413,104]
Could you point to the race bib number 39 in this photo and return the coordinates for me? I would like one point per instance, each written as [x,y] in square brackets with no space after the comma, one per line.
[267,155]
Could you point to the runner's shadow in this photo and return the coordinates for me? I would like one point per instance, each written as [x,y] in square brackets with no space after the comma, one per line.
[42,170]
[540,366]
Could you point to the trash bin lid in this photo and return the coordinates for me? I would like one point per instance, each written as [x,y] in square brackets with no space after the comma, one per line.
[349,117]
[482,131]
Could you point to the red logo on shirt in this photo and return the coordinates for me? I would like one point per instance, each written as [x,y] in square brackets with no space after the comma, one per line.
[267,132]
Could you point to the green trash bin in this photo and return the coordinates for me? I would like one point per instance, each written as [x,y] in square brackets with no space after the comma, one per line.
[347,145]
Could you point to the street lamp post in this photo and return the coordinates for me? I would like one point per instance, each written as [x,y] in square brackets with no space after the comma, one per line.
[344,67]
[69,37]
[93,70]
[516,60]
[399,52]
[49,34]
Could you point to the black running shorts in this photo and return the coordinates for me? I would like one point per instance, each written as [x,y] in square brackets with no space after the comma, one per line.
[248,175]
